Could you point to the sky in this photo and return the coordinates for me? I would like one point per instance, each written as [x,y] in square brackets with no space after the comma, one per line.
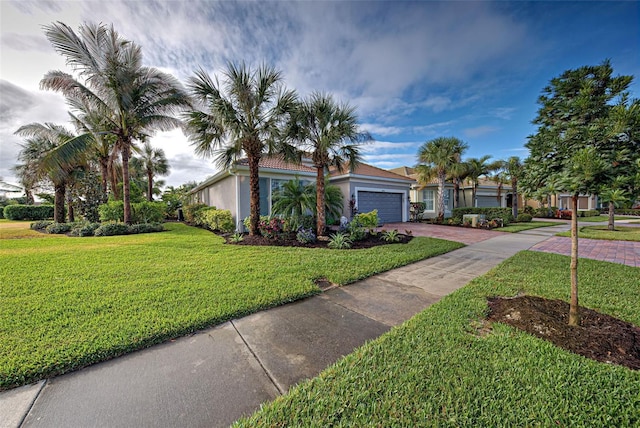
[414,71]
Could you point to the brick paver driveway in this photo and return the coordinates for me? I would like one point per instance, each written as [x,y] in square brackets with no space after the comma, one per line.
[459,234]
[624,252]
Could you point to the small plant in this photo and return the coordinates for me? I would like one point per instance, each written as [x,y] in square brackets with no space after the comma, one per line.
[58,228]
[367,220]
[524,218]
[339,241]
[356,232]
[306,236]
[390,236]
[85,229]
[236,238]
[40,225]
[271,229]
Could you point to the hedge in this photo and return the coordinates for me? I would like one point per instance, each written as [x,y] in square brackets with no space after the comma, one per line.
[28,212]
[218,220]
[141,212]
[504,213]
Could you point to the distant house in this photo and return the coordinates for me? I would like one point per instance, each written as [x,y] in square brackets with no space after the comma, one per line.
[9,190]
[369,188]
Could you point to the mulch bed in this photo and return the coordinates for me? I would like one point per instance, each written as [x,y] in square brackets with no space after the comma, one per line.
[600,337]
[289,240]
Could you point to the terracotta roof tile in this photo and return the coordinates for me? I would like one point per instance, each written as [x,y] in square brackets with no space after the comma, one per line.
[368,170]
[275,162]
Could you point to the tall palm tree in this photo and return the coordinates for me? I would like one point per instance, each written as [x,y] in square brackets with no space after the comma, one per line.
[243,116]
[133,100]
[478,167]
[510,171]
[153,162]
[39,161]
[329,133]
[457,174]
[437,157]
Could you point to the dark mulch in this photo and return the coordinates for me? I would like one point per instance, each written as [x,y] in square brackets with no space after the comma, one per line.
[290,240]
[600,337]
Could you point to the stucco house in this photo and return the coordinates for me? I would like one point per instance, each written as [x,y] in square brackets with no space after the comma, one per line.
[369,188]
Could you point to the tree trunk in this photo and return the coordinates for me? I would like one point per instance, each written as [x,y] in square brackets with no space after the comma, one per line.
[58,207]
[125,183]
[104,173]
[149,186]
[320,223]
[70,213]
[456,193]
[514,200]
[254,190]
[113,177]
[441,179]
[549,210]
[574,315]
[612,210]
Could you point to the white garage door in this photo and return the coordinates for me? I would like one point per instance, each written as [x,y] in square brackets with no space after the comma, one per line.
[389,205]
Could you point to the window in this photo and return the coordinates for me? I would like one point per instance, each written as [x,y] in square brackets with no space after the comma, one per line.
[427,197]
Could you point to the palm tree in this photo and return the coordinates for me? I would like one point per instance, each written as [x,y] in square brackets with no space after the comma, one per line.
[457,173]
[615,195]
[39,161]
[438,157]
[478,167]
[329,133]
[510,171]
[152,162]
[132,100]
[243,116]
[294,199]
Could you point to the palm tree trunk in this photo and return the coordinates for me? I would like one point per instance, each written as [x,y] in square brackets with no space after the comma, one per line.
[574,314]
[612,209]
[70,213]
[441,179]
[113,177]
[104,172]
[254,190]
[320,222]
[149,186]
[125,182]
[456,193]
[514,201]
[58,207]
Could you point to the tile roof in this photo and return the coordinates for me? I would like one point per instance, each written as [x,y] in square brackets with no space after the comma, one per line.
[277,162]
[368,170]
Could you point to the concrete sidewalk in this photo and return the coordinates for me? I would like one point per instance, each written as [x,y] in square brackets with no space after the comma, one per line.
[220,374]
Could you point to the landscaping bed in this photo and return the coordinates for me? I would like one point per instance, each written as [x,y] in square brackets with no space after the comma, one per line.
[290,240]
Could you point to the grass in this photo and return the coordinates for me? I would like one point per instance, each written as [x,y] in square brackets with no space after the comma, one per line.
[621,233]
[519,227]
[601,218]
[18,229]
[69,302]
[445,367]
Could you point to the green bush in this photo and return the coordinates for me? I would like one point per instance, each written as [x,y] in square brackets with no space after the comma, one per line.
[213,219]
[529,210]
[190,211]
[589,213]
[85,229]
[306,236]
[490,213]
[524,218]
[543,212]
[28,212]
[339,241]
[112,229]
[297,222]
[40,225]
[247,221]
[626,212]
[58,228]
[368,220]
[390,236]
[147,212]
[112,211]
[146,228]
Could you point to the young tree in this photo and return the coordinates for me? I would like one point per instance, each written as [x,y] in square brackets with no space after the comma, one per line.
[510,171]
[152,162]
[329,132]
[437,158]
[476,168]
[132,100]
[574,121]
[243,116]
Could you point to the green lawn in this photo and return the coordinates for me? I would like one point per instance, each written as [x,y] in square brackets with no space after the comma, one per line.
[69,302]
[441,368]
[621,233]
[519,227]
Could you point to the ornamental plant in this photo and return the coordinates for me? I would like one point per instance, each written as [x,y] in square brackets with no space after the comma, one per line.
[272,228]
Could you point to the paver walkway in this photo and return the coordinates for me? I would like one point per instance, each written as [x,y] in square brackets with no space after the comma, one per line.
[624,252]
[458,234]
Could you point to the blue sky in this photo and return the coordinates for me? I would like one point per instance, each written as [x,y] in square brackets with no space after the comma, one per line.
[413,70]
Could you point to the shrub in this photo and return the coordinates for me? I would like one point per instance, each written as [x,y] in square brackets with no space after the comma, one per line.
[297,222]
[524,218]
[529,210]
[236,237]
[28,212]
[306,236]
[58,228]
[190,211]
[367,220]
[112,229]
[356,232]
[146,228]
[247,221]
[40,225]
[339,241]
[390,236]
[218,220]
[111,211]
[85,229]
[543,212]
[147,212]
[271,229]
[504,213]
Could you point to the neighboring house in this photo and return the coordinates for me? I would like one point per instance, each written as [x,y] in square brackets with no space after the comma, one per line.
[9,190]
[368,186]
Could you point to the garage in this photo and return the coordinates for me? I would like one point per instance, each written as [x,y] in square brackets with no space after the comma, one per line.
[389,205]
[487,202]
